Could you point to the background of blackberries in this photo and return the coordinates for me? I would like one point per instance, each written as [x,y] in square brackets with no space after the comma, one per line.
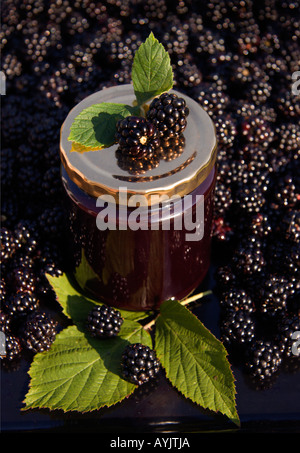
[236,58]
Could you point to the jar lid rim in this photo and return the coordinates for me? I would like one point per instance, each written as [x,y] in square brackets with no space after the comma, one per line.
[99,172]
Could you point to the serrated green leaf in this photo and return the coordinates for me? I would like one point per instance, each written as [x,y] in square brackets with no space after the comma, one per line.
[195,361]
[95,126]
[151,70]
[76,306]
[80,373]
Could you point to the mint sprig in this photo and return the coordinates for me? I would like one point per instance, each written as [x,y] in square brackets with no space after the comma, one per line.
[95,127]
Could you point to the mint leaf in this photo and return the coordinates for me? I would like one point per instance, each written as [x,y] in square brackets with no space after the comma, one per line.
[80,373]
[76,306]
[194,360]
[95,126]
[151,70]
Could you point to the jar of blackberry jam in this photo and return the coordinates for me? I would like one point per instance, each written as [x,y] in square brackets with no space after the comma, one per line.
[139,232]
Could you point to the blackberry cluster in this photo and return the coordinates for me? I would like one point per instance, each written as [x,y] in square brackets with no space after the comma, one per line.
[38,332]
[137,137]
[21,304]
[104,322]
[13,348]
[168,113]
[139,363]
[143,142]
[263,362]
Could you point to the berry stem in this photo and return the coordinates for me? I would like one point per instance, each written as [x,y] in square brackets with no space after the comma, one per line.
[187,301]
[195,297]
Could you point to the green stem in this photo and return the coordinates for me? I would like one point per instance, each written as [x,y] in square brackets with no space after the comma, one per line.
[183,302]
[195,297]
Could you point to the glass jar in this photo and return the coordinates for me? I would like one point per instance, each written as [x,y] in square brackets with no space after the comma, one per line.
[139,236]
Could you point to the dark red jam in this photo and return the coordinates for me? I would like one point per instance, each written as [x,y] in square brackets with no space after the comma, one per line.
[136,269]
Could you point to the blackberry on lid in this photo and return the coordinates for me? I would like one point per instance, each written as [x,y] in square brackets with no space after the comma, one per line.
[168,113]
[137,137]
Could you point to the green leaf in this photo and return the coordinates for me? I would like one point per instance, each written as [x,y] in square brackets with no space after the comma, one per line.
[151,70]
[80,373]
[95,126]
[76,306]
[194,360]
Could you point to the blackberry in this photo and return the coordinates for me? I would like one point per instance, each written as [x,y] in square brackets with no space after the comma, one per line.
[263,360]
[10,210]
[13,348]
[288,104]
[286,191]
[155,9]
[7,166]
[289,332]
[8,244]
[237,300]
[209,43]
[168,113]
[289,139]
[279,260]
[225,278]
[273,296]
[226,130]
[2,289]
[27,235]
[221,229]
[45,130]
[259,92]
[5,322]
[28,156]
[51,183]
[223,198]
[260,225]
[270,43]
[136,166]
[238,329]
[38,332]
[173,35]
[125,48]
[51,156]
[256,130]
[243,74]
[213,100]
[290,227]
[139,363]
[187,75]
[21,304]
[172,148]
[122,75]
[14,127]
[29,182]
[104,322]
[137,137]
[22,278]
[51,222]
[249,198]
[249,257]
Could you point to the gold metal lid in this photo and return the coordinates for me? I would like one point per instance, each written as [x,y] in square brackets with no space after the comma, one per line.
[100,172]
